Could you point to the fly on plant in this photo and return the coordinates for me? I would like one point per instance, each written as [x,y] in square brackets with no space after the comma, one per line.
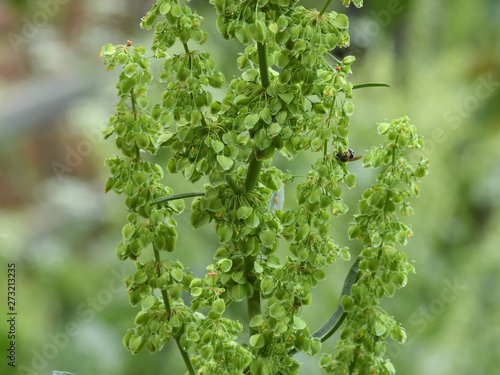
[346,156]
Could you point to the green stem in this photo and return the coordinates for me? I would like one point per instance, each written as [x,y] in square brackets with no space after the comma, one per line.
[369,84]
[324,8]
[264,70]
[253,172]
[253,303]
[132,99]
[338,316]
[232,184]
[176,196]
[255,164]
[168,309]
[353,363]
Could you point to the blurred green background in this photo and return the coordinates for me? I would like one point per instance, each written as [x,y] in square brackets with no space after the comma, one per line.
[442,60]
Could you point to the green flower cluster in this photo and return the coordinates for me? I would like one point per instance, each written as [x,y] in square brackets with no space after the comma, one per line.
[383,268]
[291,96]
[174,21]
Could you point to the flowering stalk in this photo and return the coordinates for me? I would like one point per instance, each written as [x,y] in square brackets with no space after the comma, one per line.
[288,99]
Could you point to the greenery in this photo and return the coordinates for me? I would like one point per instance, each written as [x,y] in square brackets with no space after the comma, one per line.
[442,63]
[292,96]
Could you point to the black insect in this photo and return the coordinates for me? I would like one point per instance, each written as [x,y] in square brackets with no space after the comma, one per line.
[348,155]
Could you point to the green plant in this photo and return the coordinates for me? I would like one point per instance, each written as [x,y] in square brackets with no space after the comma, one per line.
[289,99]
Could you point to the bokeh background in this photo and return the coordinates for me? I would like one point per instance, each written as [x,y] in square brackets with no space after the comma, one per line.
[442,60]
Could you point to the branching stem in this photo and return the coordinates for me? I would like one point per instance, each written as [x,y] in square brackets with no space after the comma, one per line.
[253,303]
[324,7]
[338,316]
[176,196]
[168,309]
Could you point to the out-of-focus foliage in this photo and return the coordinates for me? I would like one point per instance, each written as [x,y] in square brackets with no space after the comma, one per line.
[442,60]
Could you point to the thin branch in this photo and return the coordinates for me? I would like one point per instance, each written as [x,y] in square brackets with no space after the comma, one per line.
[369,84]
[168,309]
[176,196]
[338,316]
[324,8]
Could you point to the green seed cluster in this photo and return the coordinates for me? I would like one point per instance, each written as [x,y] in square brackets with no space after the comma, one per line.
[154,326]
[383,268]
[174,21]
[292,96]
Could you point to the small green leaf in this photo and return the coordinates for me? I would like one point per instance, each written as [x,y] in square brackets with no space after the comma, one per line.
[130,70]
[256,320]
[219,306]
[250,75]
[164,8]
[176,11]
[341,21]
[277,311]
[383,128]
[354,232]
[348,108]
[108,49]
[140,277]
[350,180]
[267,238]
[217,145]
[267,285]
[177,274]
[286,97]
[225,264]
[400,280]
[243,212]
[128,231]
[242,34]
[253,220]
[347,303]
[376,239]
[257,341]
[298,323]
[251,120]
[225,162]
[238,292]
[148,302]
[142,140]
[380,328]
[143,101]
[199,218]
[224,232]
[139,177]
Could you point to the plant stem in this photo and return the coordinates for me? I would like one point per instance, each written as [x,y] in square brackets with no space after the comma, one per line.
[232,184]
[338,316]
[176,196]
[324,8]
[353,363]
[263,68]
[132,99]
[168,309]
[252,172]
[255,164]
[369,84]
[253,303]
